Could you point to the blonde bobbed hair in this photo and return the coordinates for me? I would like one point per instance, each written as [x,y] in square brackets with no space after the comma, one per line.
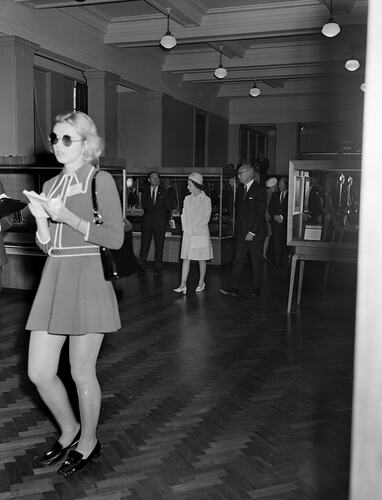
[86,128]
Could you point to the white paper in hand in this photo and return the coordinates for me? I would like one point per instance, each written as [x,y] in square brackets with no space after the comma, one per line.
[35,201]
[33,196]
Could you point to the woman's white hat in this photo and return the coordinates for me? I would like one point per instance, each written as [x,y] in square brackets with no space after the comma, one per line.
[196,177]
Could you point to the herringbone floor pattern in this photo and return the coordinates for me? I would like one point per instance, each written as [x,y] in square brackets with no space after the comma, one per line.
[205,397]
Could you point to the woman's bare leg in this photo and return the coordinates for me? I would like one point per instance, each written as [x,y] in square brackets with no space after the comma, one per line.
[202,272]
[185,271]
[43,359]
[83,353]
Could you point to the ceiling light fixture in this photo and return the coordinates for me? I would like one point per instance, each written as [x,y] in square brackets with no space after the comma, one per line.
[330,28]
[168,41]
[352,64]
[363,87]
[254,91]
[220,72]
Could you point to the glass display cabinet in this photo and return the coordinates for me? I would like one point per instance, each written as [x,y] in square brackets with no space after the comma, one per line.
[323,213]
[25,259]
[220,187]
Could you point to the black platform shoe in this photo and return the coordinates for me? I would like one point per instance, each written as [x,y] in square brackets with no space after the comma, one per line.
[58,451]
[75,461]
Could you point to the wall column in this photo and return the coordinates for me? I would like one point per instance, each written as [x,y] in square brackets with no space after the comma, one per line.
[271,151]
[233,144]
[366,460]
[154,130]
[102,107]
[16,96]
[286,146]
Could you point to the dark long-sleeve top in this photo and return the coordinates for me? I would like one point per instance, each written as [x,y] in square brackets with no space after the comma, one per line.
[250,211]
[74,190]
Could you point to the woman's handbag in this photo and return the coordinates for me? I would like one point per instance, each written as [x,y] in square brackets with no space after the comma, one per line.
[116,263]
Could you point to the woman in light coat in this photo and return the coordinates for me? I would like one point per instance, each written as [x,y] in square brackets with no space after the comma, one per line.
[196,243]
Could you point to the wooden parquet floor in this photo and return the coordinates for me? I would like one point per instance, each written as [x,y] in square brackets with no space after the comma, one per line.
[205,397]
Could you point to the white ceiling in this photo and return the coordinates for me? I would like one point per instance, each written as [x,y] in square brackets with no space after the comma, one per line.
[277,42]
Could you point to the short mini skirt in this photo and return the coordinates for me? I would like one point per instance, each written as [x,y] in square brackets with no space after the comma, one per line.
[73,298]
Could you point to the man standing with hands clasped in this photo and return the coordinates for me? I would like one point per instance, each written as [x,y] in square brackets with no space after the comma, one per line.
[157,206]
[250,230]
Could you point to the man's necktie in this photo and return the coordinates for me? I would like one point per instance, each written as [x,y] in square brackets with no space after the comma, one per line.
[153,195]
[245,191]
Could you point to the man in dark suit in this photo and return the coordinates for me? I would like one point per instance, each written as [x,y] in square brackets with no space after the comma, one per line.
[5,223]
[278,212]
[250,230]
[157,205]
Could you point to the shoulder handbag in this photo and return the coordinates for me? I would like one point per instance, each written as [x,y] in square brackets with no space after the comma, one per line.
[116,263]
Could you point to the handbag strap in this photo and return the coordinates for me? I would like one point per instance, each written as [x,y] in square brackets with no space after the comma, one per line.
[96,213]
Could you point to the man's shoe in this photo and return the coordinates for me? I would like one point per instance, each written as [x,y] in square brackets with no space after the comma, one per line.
[231,290]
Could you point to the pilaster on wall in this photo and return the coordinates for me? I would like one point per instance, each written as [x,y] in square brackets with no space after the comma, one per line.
[16,96]
[154,129]
[102,107]
[286,146]
[233,144]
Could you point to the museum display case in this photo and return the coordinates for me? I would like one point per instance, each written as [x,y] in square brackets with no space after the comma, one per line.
[323,212]
[324,203]
[219,186]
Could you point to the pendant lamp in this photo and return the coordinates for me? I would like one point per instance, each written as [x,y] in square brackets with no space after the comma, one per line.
[352,64]
[330,28]
[220,72]
[254,91]
[168,41]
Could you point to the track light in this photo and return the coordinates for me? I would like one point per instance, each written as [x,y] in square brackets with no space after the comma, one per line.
[168,41]
[254,91]
[331,28]
[220,72]
[352,64]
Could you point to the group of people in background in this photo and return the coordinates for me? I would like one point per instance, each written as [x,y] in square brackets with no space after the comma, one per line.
[260,213]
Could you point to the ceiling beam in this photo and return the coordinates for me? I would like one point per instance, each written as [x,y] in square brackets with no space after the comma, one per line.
[291,71]
[54,4]
[238,24]
[186,13]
